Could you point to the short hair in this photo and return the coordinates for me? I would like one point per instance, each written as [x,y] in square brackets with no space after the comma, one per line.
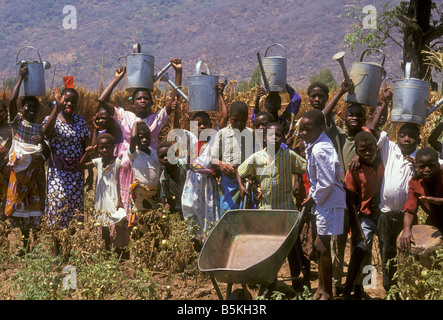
[201,114]
[265,113]
[137,90]
[364,137]
[273,96]
[316,116]
[273,124]
[317,84]
[106,136]
[356,105]
[411,126]
[29,98]
[427,152]
[164,144]
[69,90]
[239,107]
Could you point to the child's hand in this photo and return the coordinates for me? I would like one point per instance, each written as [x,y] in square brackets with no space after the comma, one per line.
[243,191]
[387,95]
[36,139]
[23,71]
[434,200]
[260,92]
[227,169]
[308,203]
[345,88]
[59,99]
[176,64]
[89,149]
[175,105]
[221,87]
[354,164]
[120,73]
[94,122]
[406,239]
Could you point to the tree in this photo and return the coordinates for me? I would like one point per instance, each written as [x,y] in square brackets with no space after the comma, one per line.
[414,25]
[324,75]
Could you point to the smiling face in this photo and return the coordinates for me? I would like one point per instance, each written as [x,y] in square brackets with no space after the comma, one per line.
[142,103]
[70,102]
[143,138]
[355,118]
[102,119]
[105,148]
[30,109]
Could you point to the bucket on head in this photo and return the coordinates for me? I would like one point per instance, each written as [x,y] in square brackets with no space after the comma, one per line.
[139,69]
[367,78]
[68,82]
[34,82]
[275,68]
[410,98]
[202,90]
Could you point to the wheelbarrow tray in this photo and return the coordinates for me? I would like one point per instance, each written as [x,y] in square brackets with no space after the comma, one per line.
[249,246]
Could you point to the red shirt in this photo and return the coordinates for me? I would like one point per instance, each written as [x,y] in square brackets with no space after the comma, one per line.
[418,188]
[366,183]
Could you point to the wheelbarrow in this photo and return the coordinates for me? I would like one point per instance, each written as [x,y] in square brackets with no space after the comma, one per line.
[249,246]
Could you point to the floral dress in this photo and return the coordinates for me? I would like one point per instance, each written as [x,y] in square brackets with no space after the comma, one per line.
[65,191]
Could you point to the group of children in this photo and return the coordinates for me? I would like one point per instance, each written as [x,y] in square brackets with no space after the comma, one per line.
[353,179]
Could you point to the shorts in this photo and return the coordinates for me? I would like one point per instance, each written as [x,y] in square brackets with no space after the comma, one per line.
[369,225]
[330,221]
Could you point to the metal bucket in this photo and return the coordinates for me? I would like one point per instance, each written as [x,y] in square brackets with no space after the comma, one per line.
[367,78]
[202,90]
[139,69]
[410,98]
[34,82]
[275,68]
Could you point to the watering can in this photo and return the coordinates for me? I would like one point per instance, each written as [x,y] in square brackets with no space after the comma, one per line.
[140,69]
[274,69]
[367,78]
[410,98]
[202,90]
[34,82]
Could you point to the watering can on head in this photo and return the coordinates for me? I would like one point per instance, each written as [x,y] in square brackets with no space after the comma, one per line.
[140,69]
[34,82]
[202,90]
[410,99]
[273,70]
[367,78]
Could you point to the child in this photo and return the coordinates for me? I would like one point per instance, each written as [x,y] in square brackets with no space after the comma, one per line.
[363,198]
[326,194]
[434,136]
[5,144]
[25,198]
[200,197]
[232,146]
[172,177]
[425,191]
[108,204]
[398,160]
[141,103]
[104,123]
[269,166]
[146,170]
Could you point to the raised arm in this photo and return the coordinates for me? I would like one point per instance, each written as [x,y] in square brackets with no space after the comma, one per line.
[260,93]
[373,123]
[330,105]
[15,91]
[224,109]
[48,128]
[178,67]
[83,164]
[105,96]
[133,141]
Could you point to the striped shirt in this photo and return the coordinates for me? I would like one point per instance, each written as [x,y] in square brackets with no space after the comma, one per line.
[274,175]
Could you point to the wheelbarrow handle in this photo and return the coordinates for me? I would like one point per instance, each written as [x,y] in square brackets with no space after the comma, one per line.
[245,198]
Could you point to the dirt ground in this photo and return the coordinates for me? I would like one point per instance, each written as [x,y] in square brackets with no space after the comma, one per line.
[201,288]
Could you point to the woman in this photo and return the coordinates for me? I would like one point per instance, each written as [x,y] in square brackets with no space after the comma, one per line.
[67,135]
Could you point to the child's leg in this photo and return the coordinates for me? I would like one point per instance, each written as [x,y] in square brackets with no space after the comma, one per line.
[323,247]
[106,236]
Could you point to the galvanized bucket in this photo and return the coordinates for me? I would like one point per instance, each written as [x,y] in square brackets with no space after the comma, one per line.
[410,98]
[367,78]
[275,68]
[202,90]
[34,82]
[139,69]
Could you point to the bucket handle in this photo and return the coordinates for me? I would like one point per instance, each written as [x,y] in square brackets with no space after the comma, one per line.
[27,47]
[136,48]
[197,67]
[275,44]
[408,68]
[379,50]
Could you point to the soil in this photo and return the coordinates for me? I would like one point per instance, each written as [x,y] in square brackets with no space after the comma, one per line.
[176,287]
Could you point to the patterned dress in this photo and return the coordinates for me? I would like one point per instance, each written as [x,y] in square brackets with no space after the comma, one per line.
[65,193]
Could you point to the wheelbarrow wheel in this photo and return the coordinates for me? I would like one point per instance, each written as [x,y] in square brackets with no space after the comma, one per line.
[240,294]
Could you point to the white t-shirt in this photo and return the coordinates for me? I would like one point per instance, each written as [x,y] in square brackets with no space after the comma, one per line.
[146,167]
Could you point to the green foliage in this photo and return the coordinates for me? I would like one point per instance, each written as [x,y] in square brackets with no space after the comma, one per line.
[325,75]
[244,86]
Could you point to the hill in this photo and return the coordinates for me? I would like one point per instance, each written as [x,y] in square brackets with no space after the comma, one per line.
[225,33]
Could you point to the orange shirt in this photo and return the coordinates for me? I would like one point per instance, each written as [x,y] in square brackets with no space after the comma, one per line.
[366,183]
